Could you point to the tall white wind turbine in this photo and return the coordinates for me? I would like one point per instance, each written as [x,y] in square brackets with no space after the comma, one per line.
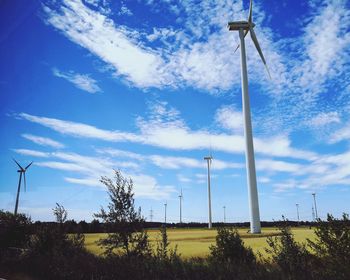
[181,198]
[209,160]
[22,171]
[245,27]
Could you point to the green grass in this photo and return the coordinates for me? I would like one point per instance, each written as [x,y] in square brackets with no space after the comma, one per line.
[196,242]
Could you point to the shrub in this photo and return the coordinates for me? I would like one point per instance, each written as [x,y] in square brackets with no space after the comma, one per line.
[14,230]
[332,246]
[230,248]
[292,258]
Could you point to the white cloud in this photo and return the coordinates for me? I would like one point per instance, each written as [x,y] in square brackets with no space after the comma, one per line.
[229,118]
[124,10]
[98,34]
[323,119]
[340,134]
[83,82]
[33,153]
[158,131]
[79,129]
[278,166]
[90,169]
[43,141]
[183,179]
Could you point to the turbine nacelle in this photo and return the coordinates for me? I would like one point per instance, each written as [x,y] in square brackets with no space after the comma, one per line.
[237,25]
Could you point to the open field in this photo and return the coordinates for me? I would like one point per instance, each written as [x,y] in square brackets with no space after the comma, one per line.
[196,242]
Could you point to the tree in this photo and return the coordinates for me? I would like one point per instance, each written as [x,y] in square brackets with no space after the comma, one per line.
[125,225]
[60,213]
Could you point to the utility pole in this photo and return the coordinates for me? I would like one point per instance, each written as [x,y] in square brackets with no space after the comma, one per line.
[224,214]
[209,159]
[297,205]
[314,195]
[165,205]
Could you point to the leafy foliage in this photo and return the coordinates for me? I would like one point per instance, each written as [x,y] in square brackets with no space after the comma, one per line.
[230,248]
[332,246]
[123,223]
[14,230]
[60,213]
[293,258]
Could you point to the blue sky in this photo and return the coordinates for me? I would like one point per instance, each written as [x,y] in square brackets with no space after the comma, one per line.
[151,87]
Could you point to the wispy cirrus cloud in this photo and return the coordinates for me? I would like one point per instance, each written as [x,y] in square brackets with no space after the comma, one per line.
[324,118]
[43,141]
[98,34]
[89,169]
[81,81]
[302,66]
[157,132]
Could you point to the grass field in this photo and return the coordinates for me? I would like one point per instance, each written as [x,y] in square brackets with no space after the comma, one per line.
[196,242]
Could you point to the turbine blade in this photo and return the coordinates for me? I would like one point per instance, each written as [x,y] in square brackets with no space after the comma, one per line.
[20,167]
[250,11]
[245,34]
[25,182]
[28,166]
[256,43]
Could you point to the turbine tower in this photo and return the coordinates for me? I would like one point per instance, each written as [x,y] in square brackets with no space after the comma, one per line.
[243,27]
[165,205]
[224,214]
[314,195]
[22,171]
[180,198]
[151,214]
[209,160]
[297,205]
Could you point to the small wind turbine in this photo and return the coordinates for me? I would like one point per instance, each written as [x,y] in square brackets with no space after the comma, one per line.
[314,195]
[244,27]
[165,205]
[297,205]
[180,198]
[209,160]
[22,171]
[224,214]
[151,214]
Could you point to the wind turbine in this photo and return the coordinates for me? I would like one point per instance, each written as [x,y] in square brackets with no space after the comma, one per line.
[245,27]
[180,198]
[165,205]
[151,214]
[209,160]
[297,205]
[224,214]
[314,195]
[22,171]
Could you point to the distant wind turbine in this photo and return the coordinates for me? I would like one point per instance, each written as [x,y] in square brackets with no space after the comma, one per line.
[244,27]
[165,205]
[181,198]
[297,205]
[22,171]
[209,160]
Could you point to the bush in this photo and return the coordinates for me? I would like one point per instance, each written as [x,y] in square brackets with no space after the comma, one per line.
[230,248]
[14,230]
[332,246]
[292,258]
